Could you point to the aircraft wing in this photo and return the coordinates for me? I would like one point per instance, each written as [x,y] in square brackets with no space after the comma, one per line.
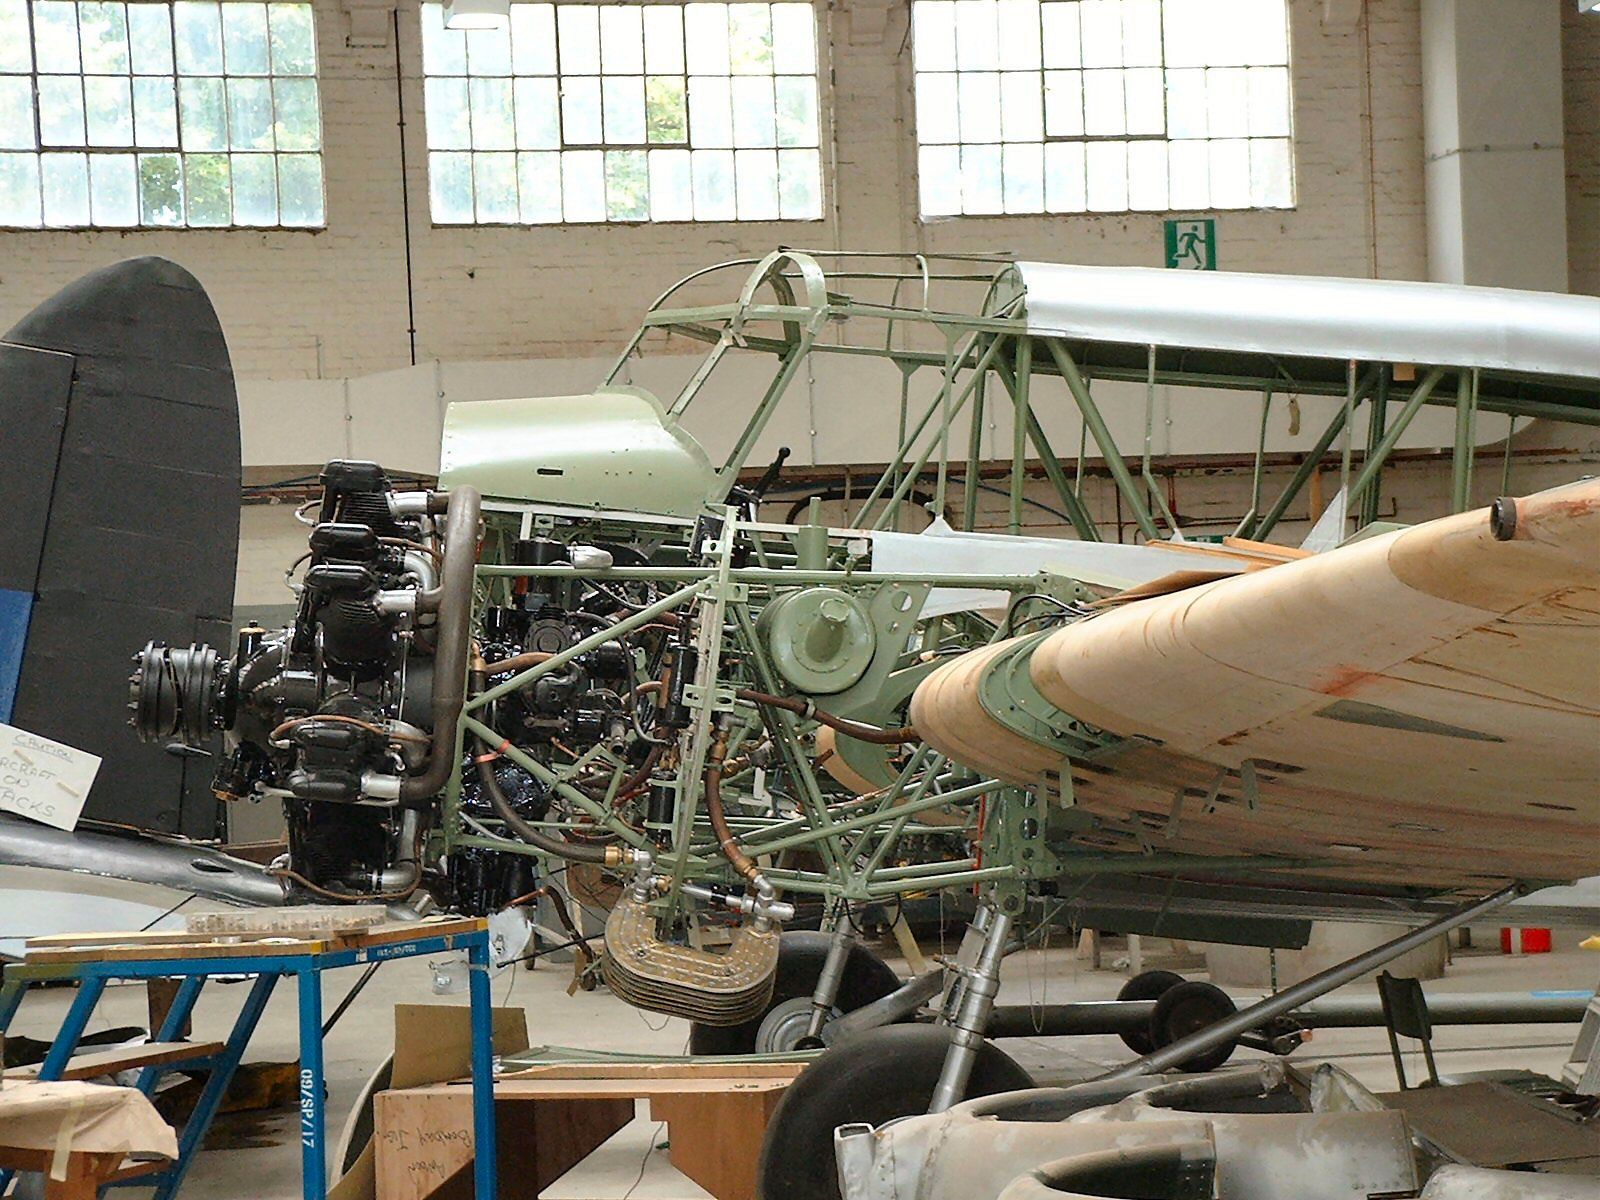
[1418,708]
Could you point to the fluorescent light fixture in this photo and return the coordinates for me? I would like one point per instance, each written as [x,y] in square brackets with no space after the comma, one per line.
[477,14]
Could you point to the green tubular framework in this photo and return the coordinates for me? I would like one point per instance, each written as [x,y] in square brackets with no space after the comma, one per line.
[963,318]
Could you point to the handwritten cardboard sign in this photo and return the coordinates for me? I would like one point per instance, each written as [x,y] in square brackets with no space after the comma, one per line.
[44,780]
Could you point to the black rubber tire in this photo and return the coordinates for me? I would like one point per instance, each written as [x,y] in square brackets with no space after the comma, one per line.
[1189,1008]
[801,953]
[873,1077]
[1147,985]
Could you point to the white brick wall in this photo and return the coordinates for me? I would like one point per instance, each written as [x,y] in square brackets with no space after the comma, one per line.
[296,305]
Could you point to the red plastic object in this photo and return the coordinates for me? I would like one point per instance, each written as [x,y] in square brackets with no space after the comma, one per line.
[1529,941]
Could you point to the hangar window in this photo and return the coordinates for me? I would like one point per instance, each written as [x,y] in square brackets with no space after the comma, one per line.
[1056,106]
[149,114]
[624,112]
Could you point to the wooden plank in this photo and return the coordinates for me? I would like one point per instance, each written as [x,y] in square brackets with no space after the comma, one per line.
[126,1058]
[715,1139]
[149,947]
[651,1071]
[641,1089]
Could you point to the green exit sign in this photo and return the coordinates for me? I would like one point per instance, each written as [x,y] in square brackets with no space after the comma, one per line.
[1192,243]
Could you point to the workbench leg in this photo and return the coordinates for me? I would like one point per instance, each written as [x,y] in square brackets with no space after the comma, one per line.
[172,1026]
[483,1131]
[313,1114]
[222,1069]
[71,1030]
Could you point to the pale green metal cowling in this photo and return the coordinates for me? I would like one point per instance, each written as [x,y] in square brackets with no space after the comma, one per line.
[612,449]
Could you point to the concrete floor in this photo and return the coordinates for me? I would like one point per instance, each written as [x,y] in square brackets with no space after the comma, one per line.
[262,1148]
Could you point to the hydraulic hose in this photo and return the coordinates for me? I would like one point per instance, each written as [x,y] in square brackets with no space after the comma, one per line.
[853,729]
[463,507]
[726,841]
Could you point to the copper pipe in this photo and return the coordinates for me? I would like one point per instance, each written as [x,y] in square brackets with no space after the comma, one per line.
[519,662]
[853,729]
[726,842]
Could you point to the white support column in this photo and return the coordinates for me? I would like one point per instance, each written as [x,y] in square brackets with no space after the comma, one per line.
[1495,175]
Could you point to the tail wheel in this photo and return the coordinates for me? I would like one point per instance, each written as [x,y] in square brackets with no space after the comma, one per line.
[1149,985]
[1189,1008]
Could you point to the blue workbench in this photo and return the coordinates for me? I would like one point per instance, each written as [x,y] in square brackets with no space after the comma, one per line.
[91,967]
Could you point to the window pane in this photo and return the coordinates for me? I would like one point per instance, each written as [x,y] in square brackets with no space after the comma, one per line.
[671,186]
[1102,32]
[627,186]
[16,54]
[19,190]
[108,107]
[713,186]
[797,111]
[244,38]
[799,185]
[1064,177]
[1268,90]
[538,104]
[450,187]
[666,109]
[494,184]
[933,38]
[444,51]
[1145,102]
[449,123]
[705,35]
[1188,175]
[1271,174]
[300,189]
[1063,103]
[580,111]
[621,40]
[1019,34]
[1147,176]
[663,39]
[255,189]
[55,38]
[578,27]
[61,110]
[1021,106]
[299,121]
[710,112]
[16,114]
[756,180]
[1103,111]
[160,189]
[1061,38]
[205,120]
[1141,32]
[980,106]
[493,123]
[103,31]
[155,112]
[539,187]
[206,187]
[1186,104]
[1227,106]
[294,43]
[583,186]
[623,103]
[150,38]
[65,181]
[936,109]
[250,114]
[197,28]
[750,39]
[533,39]
[939,180]
[1024,177]
[754,117]
[981,190]
[1262,31]
[488,52]
[794,39]
[1230,174]
[977,38]
[1108,176]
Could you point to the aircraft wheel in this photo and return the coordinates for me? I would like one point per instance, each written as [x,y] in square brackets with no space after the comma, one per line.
[1147,985]
[801,954]
[1189,1008]
[873,1077]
